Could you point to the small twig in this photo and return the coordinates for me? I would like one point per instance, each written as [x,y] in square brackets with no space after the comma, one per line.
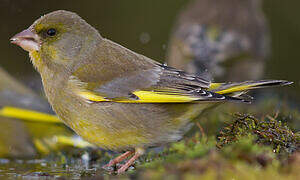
[269,117]
[276,115]
[201,129]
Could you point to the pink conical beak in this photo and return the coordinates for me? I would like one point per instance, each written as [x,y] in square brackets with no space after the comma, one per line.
[27,40]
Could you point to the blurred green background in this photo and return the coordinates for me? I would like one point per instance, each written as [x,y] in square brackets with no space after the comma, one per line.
[145,26]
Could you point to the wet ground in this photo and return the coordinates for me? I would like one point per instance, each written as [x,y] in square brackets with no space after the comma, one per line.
[47,168]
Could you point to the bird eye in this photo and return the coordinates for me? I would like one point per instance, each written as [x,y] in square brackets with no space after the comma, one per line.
[51,32]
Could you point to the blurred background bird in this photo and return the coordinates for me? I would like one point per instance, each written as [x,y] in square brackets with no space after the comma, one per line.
[227,40]
[28,126]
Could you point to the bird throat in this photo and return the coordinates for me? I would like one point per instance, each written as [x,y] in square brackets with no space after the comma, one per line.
[35,58]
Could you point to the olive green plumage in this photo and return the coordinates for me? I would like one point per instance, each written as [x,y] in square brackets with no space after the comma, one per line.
[110,95]
[112,71]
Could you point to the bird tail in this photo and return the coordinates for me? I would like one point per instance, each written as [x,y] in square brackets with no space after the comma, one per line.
[239,89]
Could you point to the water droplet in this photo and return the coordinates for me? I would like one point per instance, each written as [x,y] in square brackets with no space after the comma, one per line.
[145,38]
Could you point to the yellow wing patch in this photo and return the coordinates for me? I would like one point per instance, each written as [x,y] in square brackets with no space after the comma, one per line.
[144,97]
[158,97]
[236,88]
[214,86]
[91,96]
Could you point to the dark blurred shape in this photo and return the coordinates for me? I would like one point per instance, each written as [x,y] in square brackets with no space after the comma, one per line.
[13,93]
[14,139]
[21,137]
[229,39]
[14,136]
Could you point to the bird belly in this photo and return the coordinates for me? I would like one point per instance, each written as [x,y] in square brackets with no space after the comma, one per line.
[123,126]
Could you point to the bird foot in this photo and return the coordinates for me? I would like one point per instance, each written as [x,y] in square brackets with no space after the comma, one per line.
[137,153]
[118,159]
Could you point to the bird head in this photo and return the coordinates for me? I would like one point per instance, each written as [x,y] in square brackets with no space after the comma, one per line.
[57,39]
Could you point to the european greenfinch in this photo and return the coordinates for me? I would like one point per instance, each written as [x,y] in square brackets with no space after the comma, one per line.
[113,97]
[228,39]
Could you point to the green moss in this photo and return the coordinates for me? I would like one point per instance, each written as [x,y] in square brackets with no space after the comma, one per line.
[269,131]
[222,146]
[197,157]
[246,148]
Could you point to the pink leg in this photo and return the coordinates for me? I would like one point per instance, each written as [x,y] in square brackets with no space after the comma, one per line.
[138,153]
[118,159]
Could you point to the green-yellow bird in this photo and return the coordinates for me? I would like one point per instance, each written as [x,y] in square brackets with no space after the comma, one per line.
[112,96]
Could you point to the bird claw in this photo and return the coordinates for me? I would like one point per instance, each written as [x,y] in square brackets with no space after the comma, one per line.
[124,167]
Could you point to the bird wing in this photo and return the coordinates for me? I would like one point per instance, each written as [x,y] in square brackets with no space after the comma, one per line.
[115,73]
[158,84]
